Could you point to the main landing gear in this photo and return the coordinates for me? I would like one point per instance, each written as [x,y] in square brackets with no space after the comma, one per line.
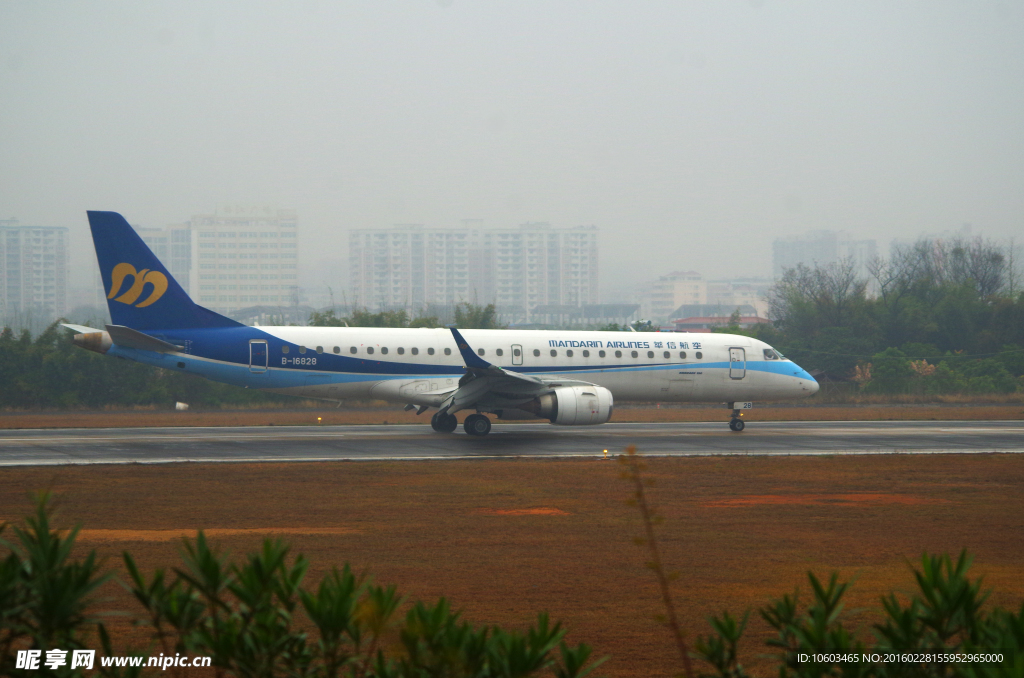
[477,425]
[444,423]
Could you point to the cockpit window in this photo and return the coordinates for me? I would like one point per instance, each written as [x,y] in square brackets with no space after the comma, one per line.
[769,354]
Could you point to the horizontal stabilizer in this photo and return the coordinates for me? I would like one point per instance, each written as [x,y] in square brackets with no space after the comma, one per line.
[126,337]
[81,329]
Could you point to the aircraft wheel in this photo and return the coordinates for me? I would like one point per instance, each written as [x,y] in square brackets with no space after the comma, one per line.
[445,423]
[736,425]
[477,425]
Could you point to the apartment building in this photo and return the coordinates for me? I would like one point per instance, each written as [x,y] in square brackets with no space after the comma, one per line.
[33,272]
[669,292]
[244,256]
[517,269]
[740,292]
[173,246]
[822,248]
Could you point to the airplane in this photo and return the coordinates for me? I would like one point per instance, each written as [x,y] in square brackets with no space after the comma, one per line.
[568,377]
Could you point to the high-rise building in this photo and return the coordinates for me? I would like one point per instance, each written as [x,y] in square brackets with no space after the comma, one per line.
[740,292]
[671,291]
[33,272]
[244,256]
[172,246]
[518,269]
[821,248]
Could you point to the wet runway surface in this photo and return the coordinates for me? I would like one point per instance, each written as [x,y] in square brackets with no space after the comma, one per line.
[337,443]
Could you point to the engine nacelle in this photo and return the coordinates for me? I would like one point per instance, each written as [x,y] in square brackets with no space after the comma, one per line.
[573,405]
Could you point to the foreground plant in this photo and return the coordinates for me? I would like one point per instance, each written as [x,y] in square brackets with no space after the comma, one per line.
[46,595]
[942,630]
[249,616]
[254,618]
[929,635]
[633,468]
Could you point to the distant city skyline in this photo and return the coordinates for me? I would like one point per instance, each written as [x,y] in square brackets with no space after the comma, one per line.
[687,132]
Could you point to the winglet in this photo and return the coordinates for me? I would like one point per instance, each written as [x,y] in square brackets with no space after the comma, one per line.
[471,358]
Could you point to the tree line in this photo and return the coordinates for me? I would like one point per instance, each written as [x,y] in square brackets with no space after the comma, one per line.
[936,317]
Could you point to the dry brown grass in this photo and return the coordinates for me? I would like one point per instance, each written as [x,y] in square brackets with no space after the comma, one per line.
[395,415]
[504,540]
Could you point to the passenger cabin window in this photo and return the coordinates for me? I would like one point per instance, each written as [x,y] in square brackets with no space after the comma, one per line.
[635,354]
[353,350]
[650,354]
[554,353]
[586,354]
[618,354]
[319,349]
[667,354]
[337,349]
[770,354]
[480,351]
[498,352]
[699,355]
[682,355]
[384,350]
[430,351]
[285,349]
[369,349]
[568,353]
[414,351]
[516,352]
[536,353]
[302,349]
[447,351]
[600,354]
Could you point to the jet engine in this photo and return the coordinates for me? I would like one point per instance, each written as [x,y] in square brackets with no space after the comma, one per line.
[573,405]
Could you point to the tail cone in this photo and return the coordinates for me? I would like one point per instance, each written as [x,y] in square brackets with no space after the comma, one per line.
[93,341]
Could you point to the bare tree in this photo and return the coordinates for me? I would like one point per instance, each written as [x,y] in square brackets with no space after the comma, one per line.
[829,292]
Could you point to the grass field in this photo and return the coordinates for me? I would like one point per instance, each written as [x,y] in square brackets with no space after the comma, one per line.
[395,415]
[504,540]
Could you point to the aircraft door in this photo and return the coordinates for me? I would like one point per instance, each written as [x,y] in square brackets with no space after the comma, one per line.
[737,363]
[258,356]
[517,354]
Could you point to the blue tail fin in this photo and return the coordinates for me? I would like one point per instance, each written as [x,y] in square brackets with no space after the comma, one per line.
[141,293]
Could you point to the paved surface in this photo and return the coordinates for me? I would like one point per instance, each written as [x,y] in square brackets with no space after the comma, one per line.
[313,443]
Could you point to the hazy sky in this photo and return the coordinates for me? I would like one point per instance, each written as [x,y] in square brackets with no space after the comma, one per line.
[691,133]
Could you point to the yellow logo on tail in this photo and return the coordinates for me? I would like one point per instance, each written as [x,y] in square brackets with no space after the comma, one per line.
[157,279]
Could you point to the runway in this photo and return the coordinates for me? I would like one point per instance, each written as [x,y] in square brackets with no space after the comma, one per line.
[354,443]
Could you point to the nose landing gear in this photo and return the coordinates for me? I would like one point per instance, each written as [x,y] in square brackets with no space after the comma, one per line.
[736,424]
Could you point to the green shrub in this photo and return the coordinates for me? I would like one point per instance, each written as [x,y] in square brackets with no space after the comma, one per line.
[255,618]
[946,614]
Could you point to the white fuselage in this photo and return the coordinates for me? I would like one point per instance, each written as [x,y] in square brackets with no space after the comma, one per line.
[419,365]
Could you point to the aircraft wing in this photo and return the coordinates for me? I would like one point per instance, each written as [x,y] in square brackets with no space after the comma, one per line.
[487,383]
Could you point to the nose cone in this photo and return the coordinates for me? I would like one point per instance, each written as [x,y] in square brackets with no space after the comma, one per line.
[807,383]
